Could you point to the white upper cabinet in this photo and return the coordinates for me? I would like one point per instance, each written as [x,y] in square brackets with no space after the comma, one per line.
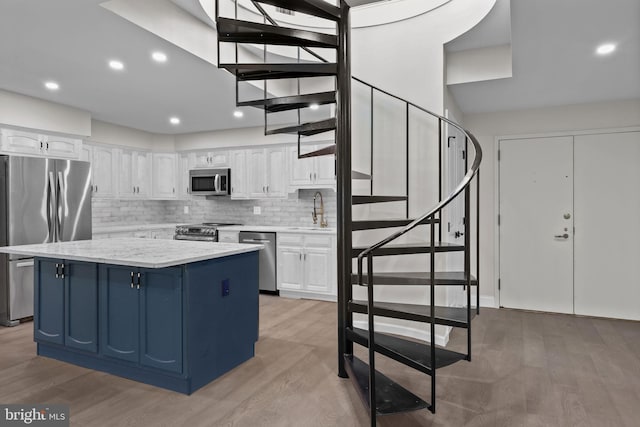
[30,143]
[311,172]
[134,174]
[211,159]
[185,160]
[165,176]
[266,173]
[59,146]
[104,169]
[238,165]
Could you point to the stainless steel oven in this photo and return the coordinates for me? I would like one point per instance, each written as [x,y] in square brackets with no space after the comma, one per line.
[210,182]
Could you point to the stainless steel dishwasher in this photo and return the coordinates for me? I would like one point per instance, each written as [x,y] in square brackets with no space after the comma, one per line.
[267,258]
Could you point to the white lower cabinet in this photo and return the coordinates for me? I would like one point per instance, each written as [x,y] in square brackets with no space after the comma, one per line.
[306,265]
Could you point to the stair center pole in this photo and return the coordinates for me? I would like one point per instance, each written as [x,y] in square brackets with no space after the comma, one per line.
[343,177]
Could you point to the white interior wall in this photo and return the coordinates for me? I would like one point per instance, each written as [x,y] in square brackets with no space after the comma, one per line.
[487,127]
[229,138]
[109,133]
[34,113]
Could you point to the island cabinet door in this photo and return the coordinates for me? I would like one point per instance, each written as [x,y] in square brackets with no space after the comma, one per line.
[81,301]
[48,316]
[161,337]
[119,312]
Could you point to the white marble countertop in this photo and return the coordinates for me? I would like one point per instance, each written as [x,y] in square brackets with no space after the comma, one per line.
[134,227]
[279,229]
[135,252]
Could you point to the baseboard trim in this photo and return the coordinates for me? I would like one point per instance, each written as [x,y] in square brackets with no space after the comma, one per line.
[405,331]
[488,301]
[307,295]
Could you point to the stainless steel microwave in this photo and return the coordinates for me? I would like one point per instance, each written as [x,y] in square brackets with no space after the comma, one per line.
[210,182]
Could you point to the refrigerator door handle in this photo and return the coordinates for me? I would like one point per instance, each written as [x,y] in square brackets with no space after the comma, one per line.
[51,203]
[60,205]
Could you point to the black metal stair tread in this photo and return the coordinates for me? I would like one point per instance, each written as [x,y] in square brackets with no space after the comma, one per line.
[266,71]
[233,30]
[319,8]
[449,316]
[361,200]
[285,103]
[414,354]
[391,398]
[369,224]
[307,129]
[443,278]
[330,149]
[410,248]
[360,175]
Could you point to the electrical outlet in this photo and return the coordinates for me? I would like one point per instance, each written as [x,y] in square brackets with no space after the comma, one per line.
[257,210]
[186,209]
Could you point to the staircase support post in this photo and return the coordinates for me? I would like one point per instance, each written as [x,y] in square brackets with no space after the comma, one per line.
[343,177]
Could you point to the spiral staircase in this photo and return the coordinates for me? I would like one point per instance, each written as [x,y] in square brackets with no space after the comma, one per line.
[379,392]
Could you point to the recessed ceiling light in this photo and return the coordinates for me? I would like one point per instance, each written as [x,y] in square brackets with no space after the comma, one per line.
[314,106]
[174,120]
[52,85]
[159,56]
[605,49]
[238,114]
[116,65]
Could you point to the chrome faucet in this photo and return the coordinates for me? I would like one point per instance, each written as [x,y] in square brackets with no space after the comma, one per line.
[323,221]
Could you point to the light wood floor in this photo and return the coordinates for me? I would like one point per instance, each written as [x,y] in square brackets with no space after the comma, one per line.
[529,369]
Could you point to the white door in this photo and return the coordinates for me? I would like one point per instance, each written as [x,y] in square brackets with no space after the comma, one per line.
[238,165]
[142,173]
[256,174]
[277,166]
[325,173]
[290,272]
[300,170]
[164,175]
[125,176]
[59,146]
[104,170]
[536,224]
[16,141]
[317,271]
[607,224]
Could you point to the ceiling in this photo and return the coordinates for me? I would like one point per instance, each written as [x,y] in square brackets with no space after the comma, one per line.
[71,41]
[553,53]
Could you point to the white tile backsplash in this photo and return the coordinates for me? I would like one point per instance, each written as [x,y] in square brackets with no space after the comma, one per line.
[294,211]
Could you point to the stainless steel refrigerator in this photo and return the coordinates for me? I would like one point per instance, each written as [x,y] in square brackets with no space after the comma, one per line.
[41,201]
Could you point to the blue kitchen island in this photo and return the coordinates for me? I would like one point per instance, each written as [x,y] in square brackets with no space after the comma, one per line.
[174,314]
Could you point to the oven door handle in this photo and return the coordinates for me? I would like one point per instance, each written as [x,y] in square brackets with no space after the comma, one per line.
[216,183]
[255,241]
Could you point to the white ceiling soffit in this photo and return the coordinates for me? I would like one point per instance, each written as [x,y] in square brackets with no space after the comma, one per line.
[72,41]
[484,52]
[169,21]
[554,59]
[379,13]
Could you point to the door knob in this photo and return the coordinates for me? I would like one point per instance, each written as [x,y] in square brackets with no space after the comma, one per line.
[562,236]
[567,216]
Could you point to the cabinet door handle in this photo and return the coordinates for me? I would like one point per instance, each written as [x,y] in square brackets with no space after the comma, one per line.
[138,285]
[41,145]
[305,256]
[62,271]
[57,271]
[132,280]
[300,256]
[47,146]
[310,174]
[174,190]
[315,176]
[96,188]
[267,188]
